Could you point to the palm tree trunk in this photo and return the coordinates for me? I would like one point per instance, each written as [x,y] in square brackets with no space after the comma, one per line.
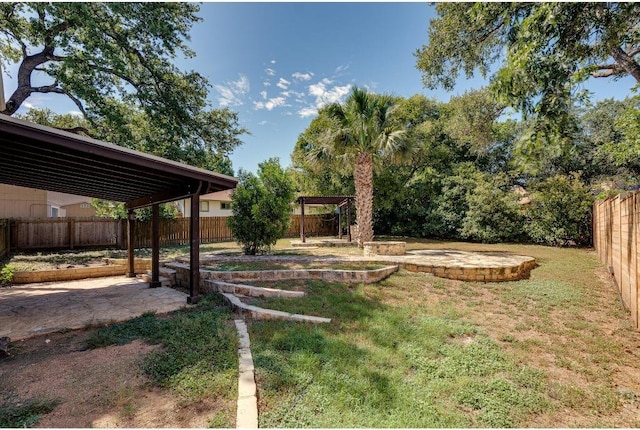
[363,179]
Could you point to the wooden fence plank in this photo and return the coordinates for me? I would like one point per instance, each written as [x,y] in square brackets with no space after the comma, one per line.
[64,233]
[616,230]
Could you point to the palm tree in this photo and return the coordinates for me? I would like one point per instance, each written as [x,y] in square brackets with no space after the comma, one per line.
[362,134]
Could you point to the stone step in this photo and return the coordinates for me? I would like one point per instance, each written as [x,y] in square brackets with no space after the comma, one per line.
[251,291]
[268,314]
[167,272]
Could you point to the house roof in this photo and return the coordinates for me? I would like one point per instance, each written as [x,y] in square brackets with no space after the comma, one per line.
[36,156]
[64,199]
[223,196]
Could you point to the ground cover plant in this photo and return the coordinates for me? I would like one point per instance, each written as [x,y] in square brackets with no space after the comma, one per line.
[555,350]
[25,414]
[198,360]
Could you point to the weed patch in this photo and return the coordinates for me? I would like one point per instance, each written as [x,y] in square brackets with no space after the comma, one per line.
[25,414]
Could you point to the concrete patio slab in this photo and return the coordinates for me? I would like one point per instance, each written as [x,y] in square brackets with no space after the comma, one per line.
[33,309]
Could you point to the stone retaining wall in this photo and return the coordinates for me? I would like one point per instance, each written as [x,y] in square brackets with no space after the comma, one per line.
[481,274]
[115,267]
[384,248]
[329,275]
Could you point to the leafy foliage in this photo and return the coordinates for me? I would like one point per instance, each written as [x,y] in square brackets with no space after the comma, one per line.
[494,213]
[544,50]
[109,209]
[6,275]
[560,211]
[261,207]
[115,62]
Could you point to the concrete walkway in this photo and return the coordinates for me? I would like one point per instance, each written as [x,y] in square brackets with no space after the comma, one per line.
[33,309]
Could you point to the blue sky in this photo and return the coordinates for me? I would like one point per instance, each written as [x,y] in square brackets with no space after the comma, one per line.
[277,63]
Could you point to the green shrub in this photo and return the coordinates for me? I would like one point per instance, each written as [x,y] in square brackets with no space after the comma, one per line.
[560,211]
[493,213]
[261,207]
[6,275]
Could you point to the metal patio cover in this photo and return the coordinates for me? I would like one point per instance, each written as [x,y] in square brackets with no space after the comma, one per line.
[36,156]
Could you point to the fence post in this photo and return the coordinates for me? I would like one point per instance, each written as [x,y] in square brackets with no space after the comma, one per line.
[72,233]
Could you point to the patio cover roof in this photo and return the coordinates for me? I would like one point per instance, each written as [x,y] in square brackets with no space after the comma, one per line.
[46,158]
[324,200]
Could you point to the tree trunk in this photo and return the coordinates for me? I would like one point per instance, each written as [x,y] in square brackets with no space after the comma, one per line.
[363,178]
[626,62]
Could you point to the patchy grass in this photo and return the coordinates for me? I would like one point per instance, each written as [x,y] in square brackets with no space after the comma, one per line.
[198,359]
[555,350]
[25,414]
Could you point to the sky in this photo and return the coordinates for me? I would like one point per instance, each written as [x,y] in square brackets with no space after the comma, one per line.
[276,64]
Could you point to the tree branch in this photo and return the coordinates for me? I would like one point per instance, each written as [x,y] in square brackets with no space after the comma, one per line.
[606,70]
[115,73]
[626,62]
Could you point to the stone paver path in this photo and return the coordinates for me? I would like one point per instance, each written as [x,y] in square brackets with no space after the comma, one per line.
[33,309]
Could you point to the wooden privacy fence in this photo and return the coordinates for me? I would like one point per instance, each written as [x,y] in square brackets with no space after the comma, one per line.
[69,233]
[616,230]
[66,233]
[4,237]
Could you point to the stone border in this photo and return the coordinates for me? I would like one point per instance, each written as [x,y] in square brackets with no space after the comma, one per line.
[247,409]
[258,313]
[114,267]
[348,276]
[371,249]
[251,291]
[413,261]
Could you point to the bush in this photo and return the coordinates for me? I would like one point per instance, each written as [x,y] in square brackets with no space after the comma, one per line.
[493,213]
[6,275]
[261,207]
[560,211]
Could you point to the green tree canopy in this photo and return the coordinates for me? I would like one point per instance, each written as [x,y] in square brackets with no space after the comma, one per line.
[543,51]
[261,207]
[115,62]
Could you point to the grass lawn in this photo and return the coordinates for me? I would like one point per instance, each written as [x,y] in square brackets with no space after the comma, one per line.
[555,350]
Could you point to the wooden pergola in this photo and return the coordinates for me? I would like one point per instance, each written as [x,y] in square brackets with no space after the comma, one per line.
[340,201]
[35,156]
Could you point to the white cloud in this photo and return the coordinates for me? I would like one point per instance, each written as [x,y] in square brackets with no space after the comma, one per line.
[263,94]
[262,122]
[75,113]
[28,105]
[273,61]
[283,84]
[266,83]
[270,104]
[298,76]
[269,71]
[307,111]
[232,93]
[324,94]
[341,68]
